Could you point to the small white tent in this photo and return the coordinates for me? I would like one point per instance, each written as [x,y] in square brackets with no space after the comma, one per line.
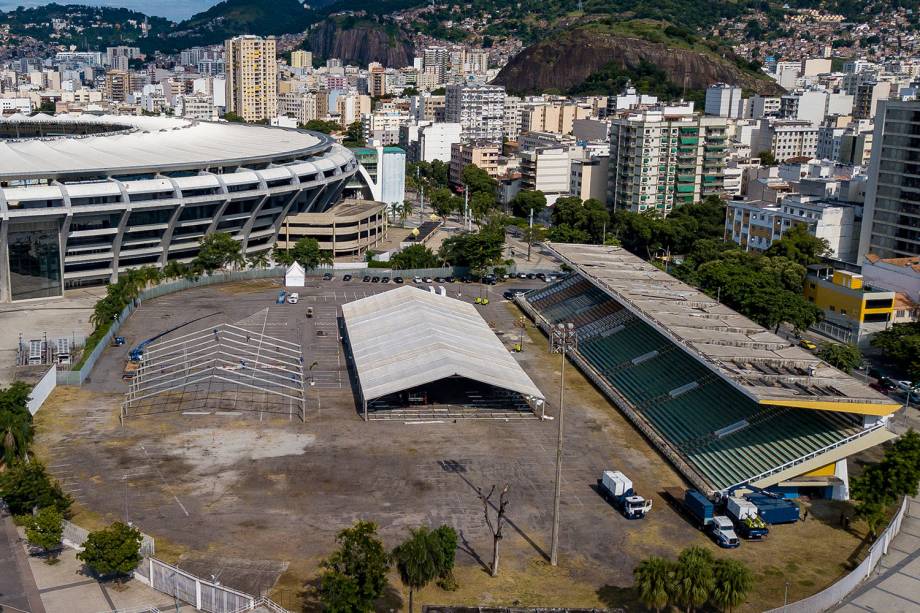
[295,276]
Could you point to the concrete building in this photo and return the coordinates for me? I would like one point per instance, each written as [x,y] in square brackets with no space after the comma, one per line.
[381,175]
[853,310]
[898,274]
[659,161]
[764,106]
[252,75]
[426,107]
[143,191]
[483,154]
[349,228]
[511,119]
[756,224]
[547,169]
[304,106]
[199,107]
[868,95]
[119,84]
[786,138]
[301,59]
[589,177]
[723,101]
[479,109]
[553,117]
[890,227]
[435,141]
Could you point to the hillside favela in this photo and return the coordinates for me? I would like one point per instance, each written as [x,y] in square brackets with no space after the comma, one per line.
[480,306]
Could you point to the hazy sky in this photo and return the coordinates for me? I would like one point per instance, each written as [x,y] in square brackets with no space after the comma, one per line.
[176,10]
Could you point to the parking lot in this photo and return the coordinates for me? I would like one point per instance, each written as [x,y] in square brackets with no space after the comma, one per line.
[222,487]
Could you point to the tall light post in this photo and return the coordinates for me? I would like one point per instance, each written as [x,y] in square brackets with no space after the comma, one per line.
[563,339]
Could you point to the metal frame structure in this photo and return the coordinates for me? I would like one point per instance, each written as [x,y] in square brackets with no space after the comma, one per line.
[221,368]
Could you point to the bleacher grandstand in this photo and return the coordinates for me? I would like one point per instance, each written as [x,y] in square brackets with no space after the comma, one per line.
[727,401]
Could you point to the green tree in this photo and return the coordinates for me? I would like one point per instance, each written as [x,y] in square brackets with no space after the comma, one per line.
[321,125]
[445,547]
[846,357]
[653,579]
[25,486]
[218,250]
[901,344]
[45,530]
[15,423]
[882,483]
[259,259]
[306,252]
[115,550]
[234,118]
[417,560]
[579,221]
[477,250]
[405,210]
[414,256]
[733,583]
[767,158]
[355,575]
[693,577]
[444,201]
[354,135]
[798,245]
[526,201]
[482,205]
[478,180]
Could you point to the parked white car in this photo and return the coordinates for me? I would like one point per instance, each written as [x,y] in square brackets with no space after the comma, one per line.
[294,298]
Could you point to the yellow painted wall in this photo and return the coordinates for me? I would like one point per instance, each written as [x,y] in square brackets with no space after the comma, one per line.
[847,302]
[824,471]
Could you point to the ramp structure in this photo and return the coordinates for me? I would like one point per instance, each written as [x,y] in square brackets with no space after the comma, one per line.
[224,368]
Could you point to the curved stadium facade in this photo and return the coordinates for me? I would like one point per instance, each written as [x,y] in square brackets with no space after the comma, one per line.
[83,198]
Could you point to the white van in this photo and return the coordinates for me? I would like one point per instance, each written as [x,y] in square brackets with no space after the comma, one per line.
[293,298]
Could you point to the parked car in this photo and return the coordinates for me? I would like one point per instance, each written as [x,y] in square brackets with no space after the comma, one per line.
[346,278]
[449,279]
[398,279]
[327,276]
[807,344]
[294,298]
[904,385]
[508,295]
[384,279]
[439,279]
[416,279]
[375,279]
[427,280]
[366,278]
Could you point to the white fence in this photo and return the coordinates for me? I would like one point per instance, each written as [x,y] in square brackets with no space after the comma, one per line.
[204,595]
[74,536]
[827,599]
[42,390]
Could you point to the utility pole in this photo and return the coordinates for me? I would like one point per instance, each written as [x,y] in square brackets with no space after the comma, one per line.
[563,340]
[466,208]
[530,234]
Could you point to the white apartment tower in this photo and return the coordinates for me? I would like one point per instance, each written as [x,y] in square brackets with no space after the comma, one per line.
[723,101]
[479,109]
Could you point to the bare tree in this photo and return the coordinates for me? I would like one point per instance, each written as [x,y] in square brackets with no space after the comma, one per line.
[499,524]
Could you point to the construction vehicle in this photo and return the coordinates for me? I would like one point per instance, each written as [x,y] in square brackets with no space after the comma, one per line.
[130,370]
[747,522]
[137,354]
[617,489]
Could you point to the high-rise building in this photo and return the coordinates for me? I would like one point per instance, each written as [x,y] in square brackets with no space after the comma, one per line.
[658,162]
[301,59]
[252,74]
[890,228]
[723,101]
[867,98]
[118,85]
[304,106]
[377,81]
[479,109]
[482,154]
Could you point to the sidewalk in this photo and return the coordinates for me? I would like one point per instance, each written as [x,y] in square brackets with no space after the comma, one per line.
[895,584]
[18,591]
[66,588]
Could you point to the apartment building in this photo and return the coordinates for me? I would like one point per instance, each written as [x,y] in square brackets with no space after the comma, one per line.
[435,141]
[252,75]
[304,106]
[119,84]
[890,226]
[554,117]
[483,154]
[786,138]
[659,161]
[588,178]
[301,59]
[723,101]
[547,169]
[479,109]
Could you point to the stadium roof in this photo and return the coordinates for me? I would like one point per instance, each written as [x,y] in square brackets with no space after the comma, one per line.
[408,337]
[766,367]
[143,143]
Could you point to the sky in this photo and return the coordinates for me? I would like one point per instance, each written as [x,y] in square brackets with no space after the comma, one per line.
[176,10]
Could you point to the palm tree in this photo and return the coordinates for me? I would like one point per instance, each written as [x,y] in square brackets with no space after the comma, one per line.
[405,210]
[15,436]
[259,260]
[654,578]
[693,577]
[417,561]
[733,581]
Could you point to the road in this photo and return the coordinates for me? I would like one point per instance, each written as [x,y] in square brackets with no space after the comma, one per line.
[18,591]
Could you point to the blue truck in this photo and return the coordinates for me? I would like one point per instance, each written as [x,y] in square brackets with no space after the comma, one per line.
[773,509]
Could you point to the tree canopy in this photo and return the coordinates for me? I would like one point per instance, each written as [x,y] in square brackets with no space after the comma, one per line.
[882,483]
[321,125]
[15,423]
[526,201]
[112,551]
[901,344]
[577,220]
[218,250]
[798,245]
[647,233]
[414,256]
[305,251]
[45,529]
[354,576]
[477,250]
[846,357]
[25,486]
[417,561]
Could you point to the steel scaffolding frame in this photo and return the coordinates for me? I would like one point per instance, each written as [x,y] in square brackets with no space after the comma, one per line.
[221,368]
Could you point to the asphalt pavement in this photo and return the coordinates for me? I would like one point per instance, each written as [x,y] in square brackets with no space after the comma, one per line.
[18,592]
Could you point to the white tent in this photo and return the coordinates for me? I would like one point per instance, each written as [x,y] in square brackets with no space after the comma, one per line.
[295,276]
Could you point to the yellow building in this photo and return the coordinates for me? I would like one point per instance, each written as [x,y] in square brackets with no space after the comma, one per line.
[252,75]
[852,310]
[301,59]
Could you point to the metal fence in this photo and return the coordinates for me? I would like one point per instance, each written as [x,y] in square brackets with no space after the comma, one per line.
[827,599]
[204,595]
[74,536]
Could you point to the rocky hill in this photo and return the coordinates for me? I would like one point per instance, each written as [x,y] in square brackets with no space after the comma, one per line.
[599,56]
[360,42]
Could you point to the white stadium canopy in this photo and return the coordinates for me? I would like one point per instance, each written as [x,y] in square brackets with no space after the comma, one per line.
[407,337]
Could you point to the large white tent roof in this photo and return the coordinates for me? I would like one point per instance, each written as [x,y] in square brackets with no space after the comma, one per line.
[408,337]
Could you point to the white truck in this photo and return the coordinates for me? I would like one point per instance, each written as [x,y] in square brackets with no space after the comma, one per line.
[747,521]
[723,531]
[617,488]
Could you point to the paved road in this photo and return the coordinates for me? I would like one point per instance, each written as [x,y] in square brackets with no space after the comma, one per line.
[895,586]
[18,591]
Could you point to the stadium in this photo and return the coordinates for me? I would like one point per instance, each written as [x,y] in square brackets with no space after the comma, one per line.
[726,401]
[83,198]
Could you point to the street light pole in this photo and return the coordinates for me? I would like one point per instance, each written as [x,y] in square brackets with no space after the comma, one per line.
[563,339]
